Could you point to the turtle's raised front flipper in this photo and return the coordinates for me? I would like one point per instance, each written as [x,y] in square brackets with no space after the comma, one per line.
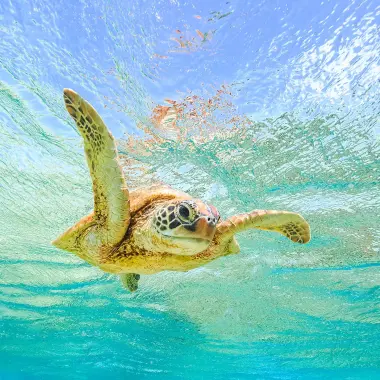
[289,224]
[111,197]
[130,281]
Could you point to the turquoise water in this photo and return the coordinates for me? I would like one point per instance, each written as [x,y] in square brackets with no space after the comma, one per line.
[282,112]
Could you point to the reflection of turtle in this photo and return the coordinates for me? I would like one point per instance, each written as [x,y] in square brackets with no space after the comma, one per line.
[155,229]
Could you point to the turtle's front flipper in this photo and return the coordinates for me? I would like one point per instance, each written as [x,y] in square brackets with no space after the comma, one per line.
[130,281]
[111,198]
[289,224]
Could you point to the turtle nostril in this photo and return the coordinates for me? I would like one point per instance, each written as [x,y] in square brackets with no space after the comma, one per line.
[211,221]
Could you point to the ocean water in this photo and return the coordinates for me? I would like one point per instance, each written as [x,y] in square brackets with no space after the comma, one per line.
[280,109]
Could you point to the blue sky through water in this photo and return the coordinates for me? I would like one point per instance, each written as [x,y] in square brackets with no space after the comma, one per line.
[271,52]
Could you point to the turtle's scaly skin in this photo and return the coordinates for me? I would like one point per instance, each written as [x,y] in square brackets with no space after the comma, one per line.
[129,256]
[155,229]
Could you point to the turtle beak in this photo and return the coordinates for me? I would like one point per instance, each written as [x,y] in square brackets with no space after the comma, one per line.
[205,228]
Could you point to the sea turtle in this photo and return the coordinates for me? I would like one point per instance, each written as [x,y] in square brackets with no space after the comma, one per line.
[154,229]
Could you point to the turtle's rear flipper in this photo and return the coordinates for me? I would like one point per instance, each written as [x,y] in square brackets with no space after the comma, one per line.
[130,281]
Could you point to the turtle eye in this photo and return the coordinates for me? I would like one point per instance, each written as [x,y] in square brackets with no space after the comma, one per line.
[184,213]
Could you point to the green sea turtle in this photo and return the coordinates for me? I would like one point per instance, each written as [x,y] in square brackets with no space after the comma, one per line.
[152,229]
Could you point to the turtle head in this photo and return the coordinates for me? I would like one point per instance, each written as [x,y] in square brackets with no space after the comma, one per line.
[185,227]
